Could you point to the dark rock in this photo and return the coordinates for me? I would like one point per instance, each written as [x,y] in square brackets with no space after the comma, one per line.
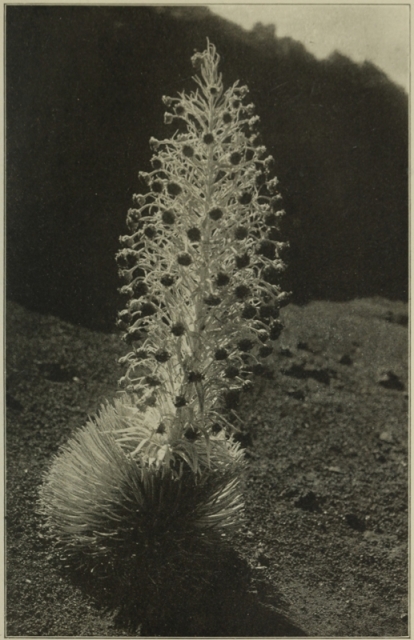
[298,394]
[355,522]
[397,318]
[390,380]
[300,371]
[346,359]
[309,501]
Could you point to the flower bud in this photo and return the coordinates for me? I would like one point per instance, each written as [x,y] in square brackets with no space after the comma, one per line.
[178,329]
[167,280]
[188,151]
[133,215]
[126,259]
[231,372]
[194,234]
[168,217]
[141,354]
[249,311]
[156,163]
[195,376]
[272,184]
[235,158]
[241,233]
[267,249]
[197,60]
[222,279]
[215,214]
[162,355]
[245,344]
[139,288]
[174,189]
[221,354]
[242,261]
[145,176]
[245,198]
[139,199]
[191,434]
[148,309]
[126,241]
[212,300]
[208,138]
[124,315]
[184,259]
[133,335]
[150,232]
[263,335]
[242,291]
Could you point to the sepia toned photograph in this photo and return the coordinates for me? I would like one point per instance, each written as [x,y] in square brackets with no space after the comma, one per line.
[206,320]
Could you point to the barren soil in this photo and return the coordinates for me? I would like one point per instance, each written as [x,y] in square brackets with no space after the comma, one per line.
[323,549]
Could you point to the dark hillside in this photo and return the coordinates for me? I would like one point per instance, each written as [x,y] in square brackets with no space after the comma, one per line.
[84,87]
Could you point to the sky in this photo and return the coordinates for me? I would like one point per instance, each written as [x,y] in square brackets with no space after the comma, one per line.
[375,32]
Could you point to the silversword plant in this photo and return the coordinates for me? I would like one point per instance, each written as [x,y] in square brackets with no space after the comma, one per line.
[202,264]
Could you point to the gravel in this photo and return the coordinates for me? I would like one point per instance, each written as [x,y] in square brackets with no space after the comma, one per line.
[323,547]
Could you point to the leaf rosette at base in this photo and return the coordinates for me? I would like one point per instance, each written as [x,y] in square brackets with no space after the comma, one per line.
[118,487]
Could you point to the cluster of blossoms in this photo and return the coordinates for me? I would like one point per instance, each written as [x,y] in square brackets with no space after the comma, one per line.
[203,261]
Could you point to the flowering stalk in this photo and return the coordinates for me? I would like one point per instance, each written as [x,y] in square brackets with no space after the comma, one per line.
[158,470]
[202,262]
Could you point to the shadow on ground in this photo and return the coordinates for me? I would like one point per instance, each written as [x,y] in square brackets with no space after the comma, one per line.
[225,600]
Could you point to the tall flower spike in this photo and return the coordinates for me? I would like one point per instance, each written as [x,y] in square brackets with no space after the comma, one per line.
[211,204]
